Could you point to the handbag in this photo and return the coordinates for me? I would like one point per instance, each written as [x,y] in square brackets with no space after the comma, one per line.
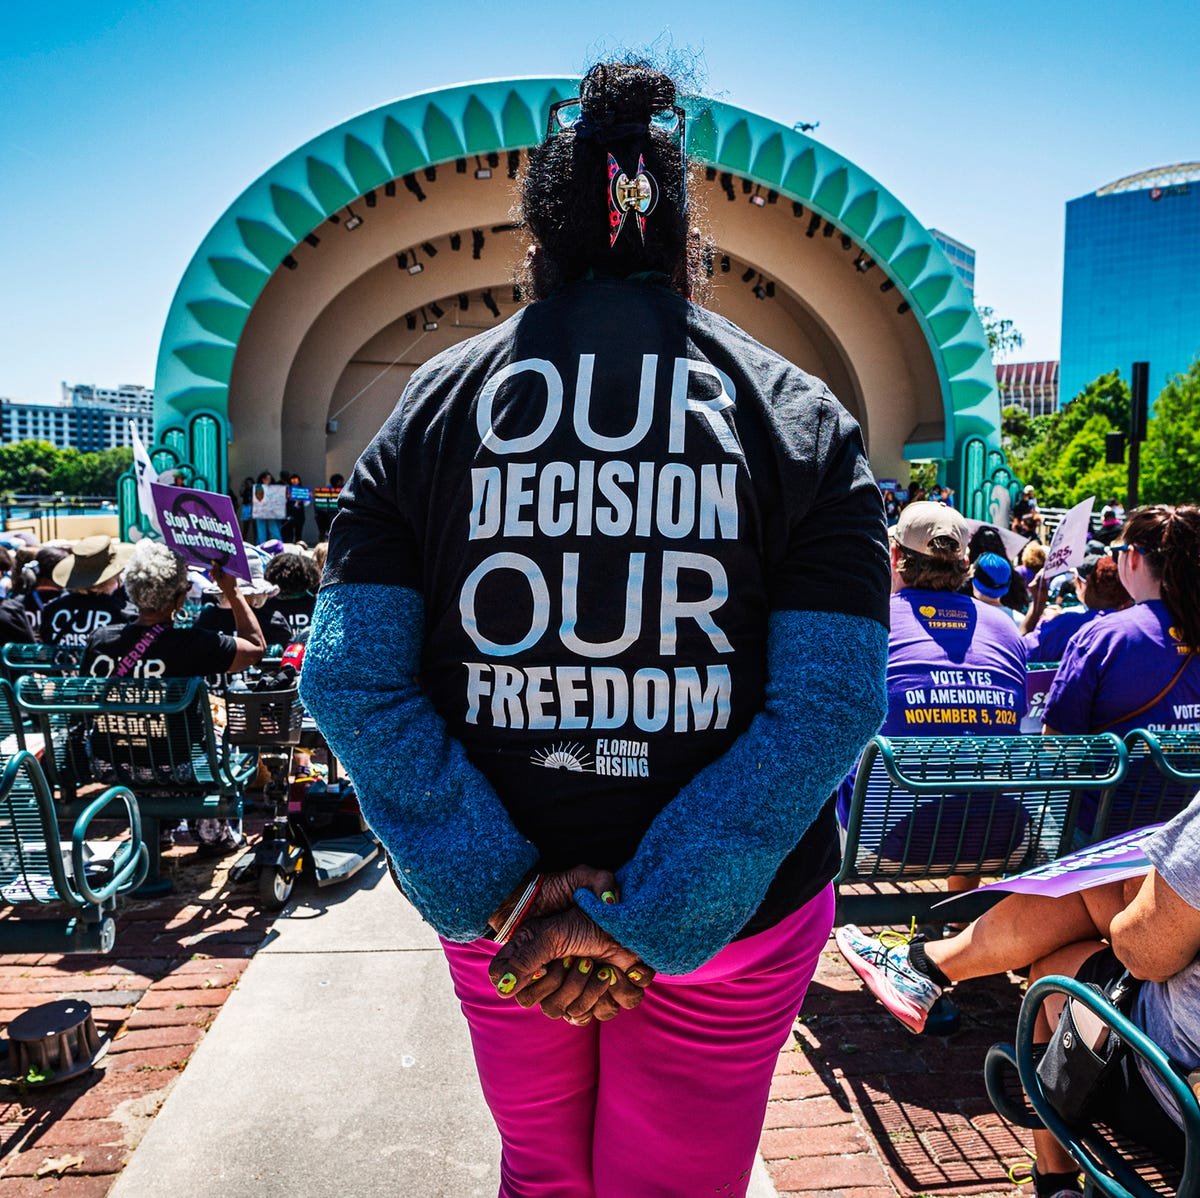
[1084,1051]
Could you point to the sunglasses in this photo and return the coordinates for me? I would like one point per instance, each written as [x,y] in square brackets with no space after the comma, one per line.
[566,114]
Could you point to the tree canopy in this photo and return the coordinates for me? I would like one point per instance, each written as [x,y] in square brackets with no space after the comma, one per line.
[39,468]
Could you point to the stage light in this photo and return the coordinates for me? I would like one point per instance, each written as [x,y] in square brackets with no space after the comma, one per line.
[797,209]
[411,184]
[725,264]
[429,248]
[312,239]
[411,321]
[747,186]
[828,230]
[371,199]
[903,307]
[428,325]
[402,260]
[460,166]
[758,199]
[290,262]
[772,197]
[760,290]
[334,219]
[493,159]
[481,171]
[813,225]
[886,285]
[862,263]
[431,174]
[437,310]
[389,188]
[747,274]
[477,240]
[727,185]
[846,242]
[464,302]
[489,302]
[710,174]
[514,163]
[456,242]
[770,290]
[331,427]
[353,220]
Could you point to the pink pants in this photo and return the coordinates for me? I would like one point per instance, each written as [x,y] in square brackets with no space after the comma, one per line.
[665,1101]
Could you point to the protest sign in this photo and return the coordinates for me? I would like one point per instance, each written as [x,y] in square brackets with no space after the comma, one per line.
[325,499]
[1069,545]
[1111,860]
[202,527]
[1039,678]
[1013,542]
[300,494]
[269,502]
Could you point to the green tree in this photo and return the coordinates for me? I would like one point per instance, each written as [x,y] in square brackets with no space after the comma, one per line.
[1170,457]
[1064,453]
[37,467]
[28,465]
[1002,335]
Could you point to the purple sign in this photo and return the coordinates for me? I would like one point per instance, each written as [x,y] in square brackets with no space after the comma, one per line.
[1109,861]
[202,527]
[1038,681]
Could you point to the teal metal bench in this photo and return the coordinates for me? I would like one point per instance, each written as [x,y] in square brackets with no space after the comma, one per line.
[12,724]
[1162,779]
[38,871]
[155,737]
[928,808]
[19,660]
[1114,1166]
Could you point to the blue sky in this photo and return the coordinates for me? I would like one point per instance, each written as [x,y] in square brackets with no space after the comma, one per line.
[126,129]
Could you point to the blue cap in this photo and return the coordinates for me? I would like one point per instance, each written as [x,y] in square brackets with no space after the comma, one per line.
[992,575]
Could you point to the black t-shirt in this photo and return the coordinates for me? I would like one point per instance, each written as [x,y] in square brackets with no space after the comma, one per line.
[15,628]
[73,617]
[601,500]
[174,652]
[220,619]
[296,611]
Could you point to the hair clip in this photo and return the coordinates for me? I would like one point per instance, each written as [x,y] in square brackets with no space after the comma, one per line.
[638,195]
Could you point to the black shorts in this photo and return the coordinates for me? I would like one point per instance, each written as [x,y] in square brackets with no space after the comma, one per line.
[1124,1102]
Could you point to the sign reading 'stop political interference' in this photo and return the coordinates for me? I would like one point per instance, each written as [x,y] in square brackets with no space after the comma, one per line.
[202,527]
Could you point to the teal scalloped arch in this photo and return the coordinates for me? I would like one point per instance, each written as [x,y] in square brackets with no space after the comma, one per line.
[263,225]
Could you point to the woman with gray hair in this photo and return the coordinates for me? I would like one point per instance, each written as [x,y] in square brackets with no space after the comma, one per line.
[156,582]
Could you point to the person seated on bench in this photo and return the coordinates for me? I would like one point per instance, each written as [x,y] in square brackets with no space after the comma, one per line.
[1148,925]
[218,616]
[156,581]
[90,577]
[1136,668]
[956,667]
[297,577]
[1098,584]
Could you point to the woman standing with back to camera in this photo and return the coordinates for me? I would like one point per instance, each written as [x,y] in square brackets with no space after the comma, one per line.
[638,561]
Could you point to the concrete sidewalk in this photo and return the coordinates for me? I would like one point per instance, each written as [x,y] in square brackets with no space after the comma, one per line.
[340,1066]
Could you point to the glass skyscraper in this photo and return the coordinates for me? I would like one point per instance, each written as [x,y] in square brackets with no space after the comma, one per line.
[1130,278]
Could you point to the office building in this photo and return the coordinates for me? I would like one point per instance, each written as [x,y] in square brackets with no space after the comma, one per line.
[1029,385]
[1129,278]
[961,256]
[87,418]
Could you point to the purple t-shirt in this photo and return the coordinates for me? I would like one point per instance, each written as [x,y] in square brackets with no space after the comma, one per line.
[1048,641]
[956,667]
[1113,666]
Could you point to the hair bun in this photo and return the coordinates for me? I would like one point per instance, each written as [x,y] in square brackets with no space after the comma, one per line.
[620,93]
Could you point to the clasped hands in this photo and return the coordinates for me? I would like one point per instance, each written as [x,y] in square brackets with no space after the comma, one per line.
[560,960]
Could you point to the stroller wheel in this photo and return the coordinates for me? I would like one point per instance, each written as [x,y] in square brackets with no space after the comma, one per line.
[275,886]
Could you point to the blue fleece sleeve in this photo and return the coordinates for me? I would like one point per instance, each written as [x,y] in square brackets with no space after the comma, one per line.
[457,852]
[706,861]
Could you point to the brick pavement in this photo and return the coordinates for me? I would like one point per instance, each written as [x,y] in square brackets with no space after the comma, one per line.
[862,1109]
[176,961]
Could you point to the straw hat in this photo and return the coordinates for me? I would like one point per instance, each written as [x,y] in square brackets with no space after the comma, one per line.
[91,561]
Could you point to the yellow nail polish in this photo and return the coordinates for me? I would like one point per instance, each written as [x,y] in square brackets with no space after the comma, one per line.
[608,897]
[585,966]
[506,983]
[538,973]
[634,975]
[567,962]
[602,973]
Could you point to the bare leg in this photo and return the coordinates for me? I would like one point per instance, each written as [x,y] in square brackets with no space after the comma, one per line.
[1023,928]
